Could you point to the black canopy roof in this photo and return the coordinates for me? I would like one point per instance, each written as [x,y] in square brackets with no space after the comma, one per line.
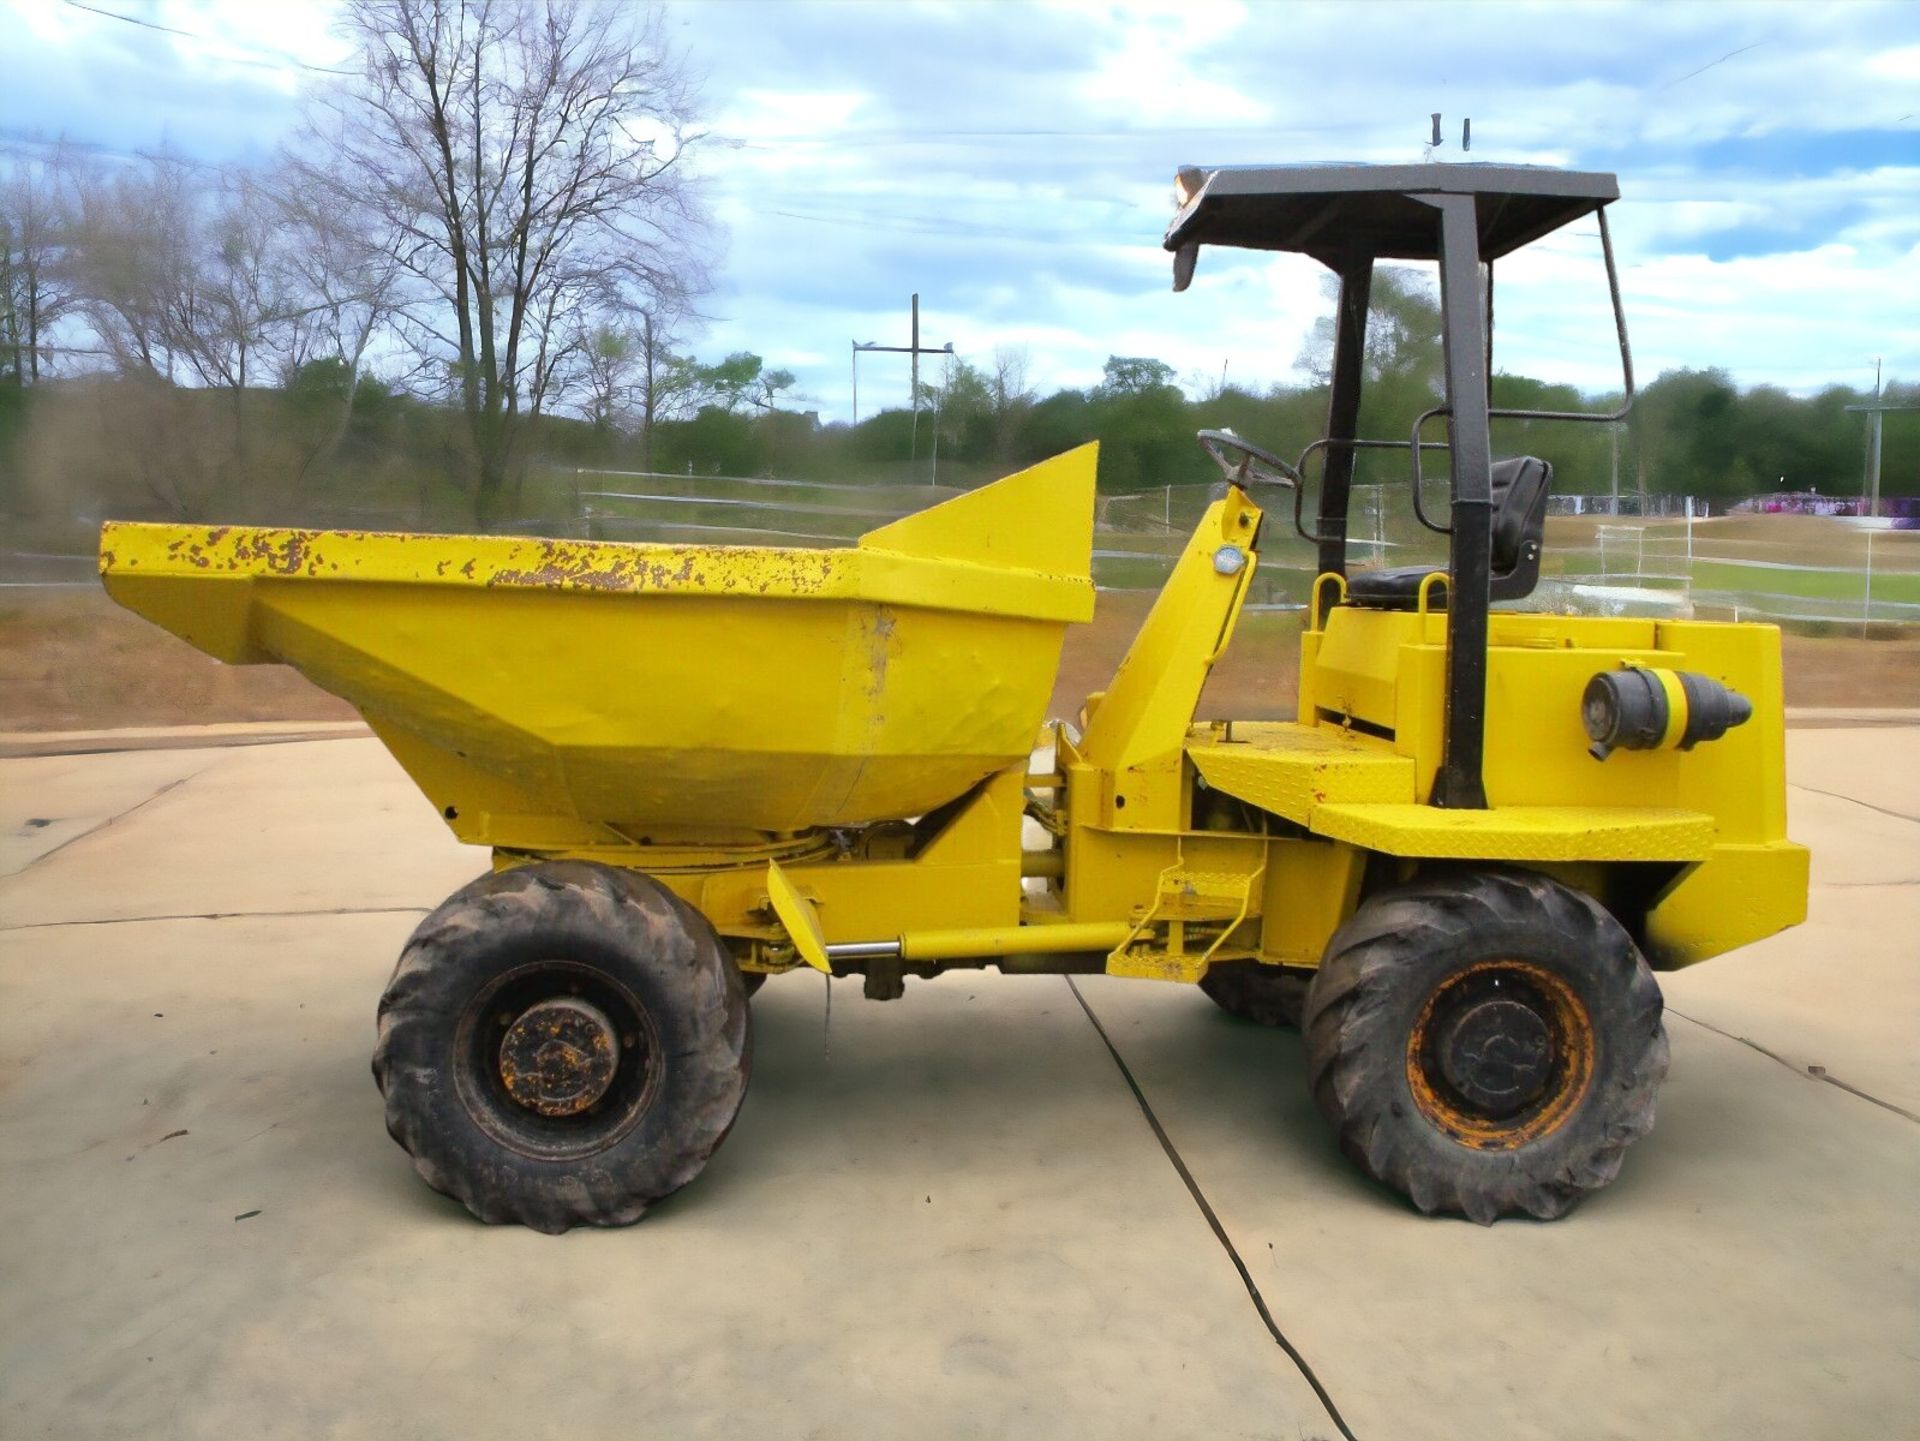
[1334,211]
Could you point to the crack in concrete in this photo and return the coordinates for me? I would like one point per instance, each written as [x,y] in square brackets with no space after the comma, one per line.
[1212,1218]
[1811,1073]
[1843,796]
[224,916]
[106,824]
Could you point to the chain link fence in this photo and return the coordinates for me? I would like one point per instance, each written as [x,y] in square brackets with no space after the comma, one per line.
[1609,555]
[1606,555]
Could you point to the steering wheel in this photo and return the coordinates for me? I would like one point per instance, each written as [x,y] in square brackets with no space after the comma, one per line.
[1253,465]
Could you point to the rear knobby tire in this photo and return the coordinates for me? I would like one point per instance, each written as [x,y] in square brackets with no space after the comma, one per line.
[1488,1043]
[562,1044]
[1265,995]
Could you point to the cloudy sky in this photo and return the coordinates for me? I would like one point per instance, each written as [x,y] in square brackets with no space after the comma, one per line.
[1013,163]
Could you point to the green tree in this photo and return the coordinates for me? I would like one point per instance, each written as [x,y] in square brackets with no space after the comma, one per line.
[1684,430]
[742,381]
[1126,375]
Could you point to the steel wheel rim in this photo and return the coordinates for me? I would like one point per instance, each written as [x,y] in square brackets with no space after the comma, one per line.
[484,1071]
[1501,1054]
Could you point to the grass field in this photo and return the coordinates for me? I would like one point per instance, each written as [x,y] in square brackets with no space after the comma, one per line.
[1782,567]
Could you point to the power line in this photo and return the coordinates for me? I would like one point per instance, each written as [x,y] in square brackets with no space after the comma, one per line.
[280,62]
[913,135]
[1710,64]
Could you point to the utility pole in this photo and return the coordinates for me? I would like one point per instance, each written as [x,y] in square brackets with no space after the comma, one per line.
[1876,411]
[914,349]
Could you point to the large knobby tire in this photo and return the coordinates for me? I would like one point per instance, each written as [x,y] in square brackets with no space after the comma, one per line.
[562,1044]
[1488,1043]
[1265,995]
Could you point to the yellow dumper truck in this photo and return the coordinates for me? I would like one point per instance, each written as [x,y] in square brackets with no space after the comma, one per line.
[1456,869]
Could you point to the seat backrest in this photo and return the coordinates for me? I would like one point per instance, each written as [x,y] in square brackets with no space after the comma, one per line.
[1520,489]
[1519,508]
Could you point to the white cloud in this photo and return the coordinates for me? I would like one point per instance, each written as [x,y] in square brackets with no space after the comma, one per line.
[1901,64]
[1012,164]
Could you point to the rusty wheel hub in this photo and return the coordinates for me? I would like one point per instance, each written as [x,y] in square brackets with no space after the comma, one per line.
[1498,1054]
[559,1056]
[1502,1053]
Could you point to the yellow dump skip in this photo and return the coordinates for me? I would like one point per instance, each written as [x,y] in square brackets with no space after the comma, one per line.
[548,693]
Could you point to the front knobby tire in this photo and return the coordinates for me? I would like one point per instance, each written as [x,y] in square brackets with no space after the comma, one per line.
[1488,1043]
[562,1044]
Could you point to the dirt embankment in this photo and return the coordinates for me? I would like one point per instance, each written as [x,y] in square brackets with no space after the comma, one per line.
[72,660]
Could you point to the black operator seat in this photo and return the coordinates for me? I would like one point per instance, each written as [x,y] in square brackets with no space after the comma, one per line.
[1519,520]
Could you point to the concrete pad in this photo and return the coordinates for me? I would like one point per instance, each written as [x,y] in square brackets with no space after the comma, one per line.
[1842,993]
[941,1216]
[1880,767]
[160,738]
[290,828]
[954,1224]
[52,801]
[1750,1274]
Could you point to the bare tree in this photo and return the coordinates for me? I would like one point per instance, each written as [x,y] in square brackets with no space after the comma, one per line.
[182,275]
[232,313]
[607,363]
[525,158]
[133,238]
[344,286]
[35,222]
[1012,397]
[667,385]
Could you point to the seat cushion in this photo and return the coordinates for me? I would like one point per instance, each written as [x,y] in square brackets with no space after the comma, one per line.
[1519,493]
[1397,589]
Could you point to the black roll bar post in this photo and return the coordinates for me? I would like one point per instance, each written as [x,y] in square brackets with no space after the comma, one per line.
[1459,785]
[1343,413]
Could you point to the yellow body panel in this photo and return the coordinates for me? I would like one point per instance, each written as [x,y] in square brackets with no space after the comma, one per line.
[1716,814]
[1135,737]
[1741,894]
[1311,887]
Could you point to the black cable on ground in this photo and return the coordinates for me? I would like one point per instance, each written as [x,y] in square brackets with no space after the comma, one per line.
[1206,1210]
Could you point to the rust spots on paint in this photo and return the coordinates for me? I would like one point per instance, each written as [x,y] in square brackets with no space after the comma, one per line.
[494,562]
